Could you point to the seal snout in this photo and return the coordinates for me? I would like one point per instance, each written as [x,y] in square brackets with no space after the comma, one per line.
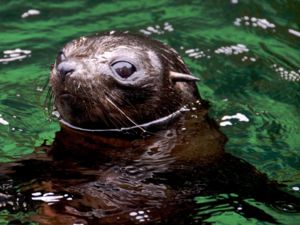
[65,69]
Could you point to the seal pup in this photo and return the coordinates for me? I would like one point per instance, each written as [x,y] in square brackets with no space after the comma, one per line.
[119,80]
[136,143]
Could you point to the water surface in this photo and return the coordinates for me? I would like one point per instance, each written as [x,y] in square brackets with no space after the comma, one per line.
[246,54]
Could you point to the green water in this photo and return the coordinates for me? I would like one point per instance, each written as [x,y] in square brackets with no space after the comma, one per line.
[259,79]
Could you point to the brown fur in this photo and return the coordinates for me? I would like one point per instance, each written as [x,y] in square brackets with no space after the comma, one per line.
[150,97]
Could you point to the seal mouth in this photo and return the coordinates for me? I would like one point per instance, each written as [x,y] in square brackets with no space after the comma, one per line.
[67,99]
[66,94]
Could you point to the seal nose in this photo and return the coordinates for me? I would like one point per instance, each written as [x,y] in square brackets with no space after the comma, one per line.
[65,69]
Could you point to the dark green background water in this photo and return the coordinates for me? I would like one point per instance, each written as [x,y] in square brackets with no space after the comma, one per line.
[260,80]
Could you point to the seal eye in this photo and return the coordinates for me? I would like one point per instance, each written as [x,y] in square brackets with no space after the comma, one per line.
[123,69]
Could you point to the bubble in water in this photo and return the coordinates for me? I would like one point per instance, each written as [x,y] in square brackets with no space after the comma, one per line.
[254,22]
[286,74]
[156,29]
[232,49]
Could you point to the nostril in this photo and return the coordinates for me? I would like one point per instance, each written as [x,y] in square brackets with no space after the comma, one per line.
[65,69]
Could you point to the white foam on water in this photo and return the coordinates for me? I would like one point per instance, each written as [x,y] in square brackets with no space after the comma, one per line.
[225,123]
[14,55]
[254,22]
[294,32]
[295,188]
[196,53]
[133,214]
[232,49]
[36,194]
[3,121]
[289,75]
[47,197]
[31,12]
[239,116]
[157,29]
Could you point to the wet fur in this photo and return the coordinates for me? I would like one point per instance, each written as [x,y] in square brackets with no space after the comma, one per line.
[152,97]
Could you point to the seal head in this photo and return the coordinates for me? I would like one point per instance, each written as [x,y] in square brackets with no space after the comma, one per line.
[119,80]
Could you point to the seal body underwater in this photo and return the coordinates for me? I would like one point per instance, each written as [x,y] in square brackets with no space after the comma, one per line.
[136,143]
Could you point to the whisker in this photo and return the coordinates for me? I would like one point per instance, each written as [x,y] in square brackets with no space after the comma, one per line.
[48,103]
[124,114]
[119,120]
[149,132]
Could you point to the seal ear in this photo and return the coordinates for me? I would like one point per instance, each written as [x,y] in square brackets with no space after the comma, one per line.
[179,77]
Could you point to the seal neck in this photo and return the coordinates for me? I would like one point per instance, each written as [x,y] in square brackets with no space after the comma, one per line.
[144,128]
